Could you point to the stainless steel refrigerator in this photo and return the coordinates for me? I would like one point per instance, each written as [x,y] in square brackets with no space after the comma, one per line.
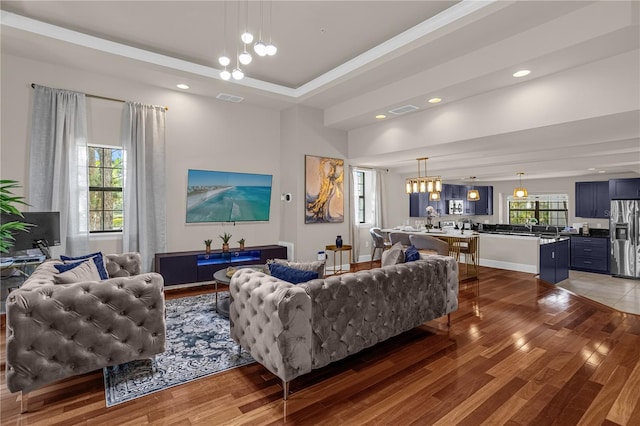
[625,238]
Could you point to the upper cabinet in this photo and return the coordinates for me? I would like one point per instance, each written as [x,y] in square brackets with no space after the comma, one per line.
[624,189]
[592,199]
[484,206]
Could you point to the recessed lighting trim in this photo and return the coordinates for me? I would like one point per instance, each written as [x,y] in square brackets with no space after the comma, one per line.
[521,73]
[182,86]
[602,171]
[591,169]
[435,100]
[381,116]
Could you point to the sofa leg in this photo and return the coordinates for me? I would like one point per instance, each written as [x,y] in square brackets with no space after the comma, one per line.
[448,320]
[24,402]
[285,387]
[239,350]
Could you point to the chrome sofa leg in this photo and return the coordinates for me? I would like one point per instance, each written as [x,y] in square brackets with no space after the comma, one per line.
[285,387]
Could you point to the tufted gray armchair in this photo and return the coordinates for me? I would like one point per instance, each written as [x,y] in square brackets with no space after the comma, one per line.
[55,331]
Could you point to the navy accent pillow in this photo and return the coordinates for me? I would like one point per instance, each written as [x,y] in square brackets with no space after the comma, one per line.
[292,275]
[411,254]
[97,258]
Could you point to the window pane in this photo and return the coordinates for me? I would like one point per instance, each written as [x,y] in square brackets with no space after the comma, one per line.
[95,155]
[95,176]
[95,221]
[112,220]
[112,178]
[112,200]
[95,200]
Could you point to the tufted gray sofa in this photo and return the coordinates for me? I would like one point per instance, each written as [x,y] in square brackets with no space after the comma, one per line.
[56,331]
[292,329]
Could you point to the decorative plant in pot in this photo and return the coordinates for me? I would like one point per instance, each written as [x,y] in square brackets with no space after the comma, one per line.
[8,204]
[241,242]
[225,241]
[207,246]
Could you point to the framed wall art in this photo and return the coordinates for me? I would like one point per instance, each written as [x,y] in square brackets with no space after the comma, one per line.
[324,189]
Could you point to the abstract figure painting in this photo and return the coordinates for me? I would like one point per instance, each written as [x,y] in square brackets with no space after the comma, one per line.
[324,193]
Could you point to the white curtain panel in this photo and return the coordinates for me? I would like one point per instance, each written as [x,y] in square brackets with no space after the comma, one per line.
[58,164]
[354,228]
[379,196]
[143,140]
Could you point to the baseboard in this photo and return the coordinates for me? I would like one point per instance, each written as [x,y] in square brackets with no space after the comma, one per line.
[519,267]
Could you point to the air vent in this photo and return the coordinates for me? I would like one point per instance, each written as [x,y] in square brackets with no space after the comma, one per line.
[403,109]
[229,98]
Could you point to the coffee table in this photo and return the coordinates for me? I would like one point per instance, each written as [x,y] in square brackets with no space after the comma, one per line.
[220,277]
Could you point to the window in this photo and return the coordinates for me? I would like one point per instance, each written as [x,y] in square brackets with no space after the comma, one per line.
[361,197]
[546,209]
[105,189]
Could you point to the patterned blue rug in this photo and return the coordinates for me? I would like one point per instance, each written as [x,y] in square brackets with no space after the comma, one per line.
[197,345]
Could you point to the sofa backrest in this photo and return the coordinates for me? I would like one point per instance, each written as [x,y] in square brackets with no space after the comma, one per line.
[356,310]
[123,265]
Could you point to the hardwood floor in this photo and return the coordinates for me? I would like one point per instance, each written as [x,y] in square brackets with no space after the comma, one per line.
[518,352]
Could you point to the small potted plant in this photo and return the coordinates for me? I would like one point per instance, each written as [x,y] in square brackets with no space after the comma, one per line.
[207,246]
[241,242]
[225,241]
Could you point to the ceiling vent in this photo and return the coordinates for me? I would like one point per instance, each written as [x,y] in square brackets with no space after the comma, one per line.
[229,98]
[403,109]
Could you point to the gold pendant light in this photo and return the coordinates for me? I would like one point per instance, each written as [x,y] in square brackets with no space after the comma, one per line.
[473,194]
[430,184]
[521,191]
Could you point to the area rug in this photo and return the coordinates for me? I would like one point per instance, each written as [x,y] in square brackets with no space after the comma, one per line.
[197,345]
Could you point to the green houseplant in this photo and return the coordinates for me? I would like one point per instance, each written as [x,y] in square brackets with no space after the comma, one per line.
[225,241]
[207,246]
[8,204]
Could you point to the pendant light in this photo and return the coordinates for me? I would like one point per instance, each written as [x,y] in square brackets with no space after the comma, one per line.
[260,48]
[224,59]
[424,183]
[271,48]
[473,194]
[521,191]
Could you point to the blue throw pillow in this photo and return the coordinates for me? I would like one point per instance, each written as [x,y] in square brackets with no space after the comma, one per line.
[97,258]
[411,254]
[292,275]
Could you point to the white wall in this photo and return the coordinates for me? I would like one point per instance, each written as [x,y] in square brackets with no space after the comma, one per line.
[304,134]
[201,133]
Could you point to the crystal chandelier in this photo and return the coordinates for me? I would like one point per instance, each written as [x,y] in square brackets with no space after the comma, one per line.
[426,183]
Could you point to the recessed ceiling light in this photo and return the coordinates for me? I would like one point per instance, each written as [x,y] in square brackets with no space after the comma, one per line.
[182,86]
[521,73]
[381,116]
[602,171]
[591,169]
[434,100]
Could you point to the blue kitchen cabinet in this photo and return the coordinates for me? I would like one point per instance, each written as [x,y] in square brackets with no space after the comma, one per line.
[624,189]
[590,254]
[484,206]
[414,205]
[592,199]
[554,261]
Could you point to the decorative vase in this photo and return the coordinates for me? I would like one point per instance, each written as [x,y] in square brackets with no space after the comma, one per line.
[339,241]
[242,246]
[225,247]
[207,249]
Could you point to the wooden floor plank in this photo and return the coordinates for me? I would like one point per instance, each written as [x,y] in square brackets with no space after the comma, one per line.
[518,352]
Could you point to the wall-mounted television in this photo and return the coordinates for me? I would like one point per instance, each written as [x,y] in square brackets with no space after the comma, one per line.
[44,232]
[216,196]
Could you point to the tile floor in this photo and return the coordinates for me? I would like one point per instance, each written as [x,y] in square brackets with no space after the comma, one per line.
[622,294]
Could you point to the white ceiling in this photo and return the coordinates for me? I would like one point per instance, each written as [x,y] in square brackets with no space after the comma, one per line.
[356,59]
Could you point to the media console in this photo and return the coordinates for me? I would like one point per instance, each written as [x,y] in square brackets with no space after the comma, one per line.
[196,266]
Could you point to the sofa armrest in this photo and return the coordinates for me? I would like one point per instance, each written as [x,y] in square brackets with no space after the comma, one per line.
[272,320]
[57,331]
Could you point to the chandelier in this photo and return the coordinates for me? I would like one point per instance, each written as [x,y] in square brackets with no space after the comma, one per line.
[521,191]
[426,183]
[243,56]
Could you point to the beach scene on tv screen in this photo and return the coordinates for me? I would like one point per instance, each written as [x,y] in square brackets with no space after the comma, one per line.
[214,196]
